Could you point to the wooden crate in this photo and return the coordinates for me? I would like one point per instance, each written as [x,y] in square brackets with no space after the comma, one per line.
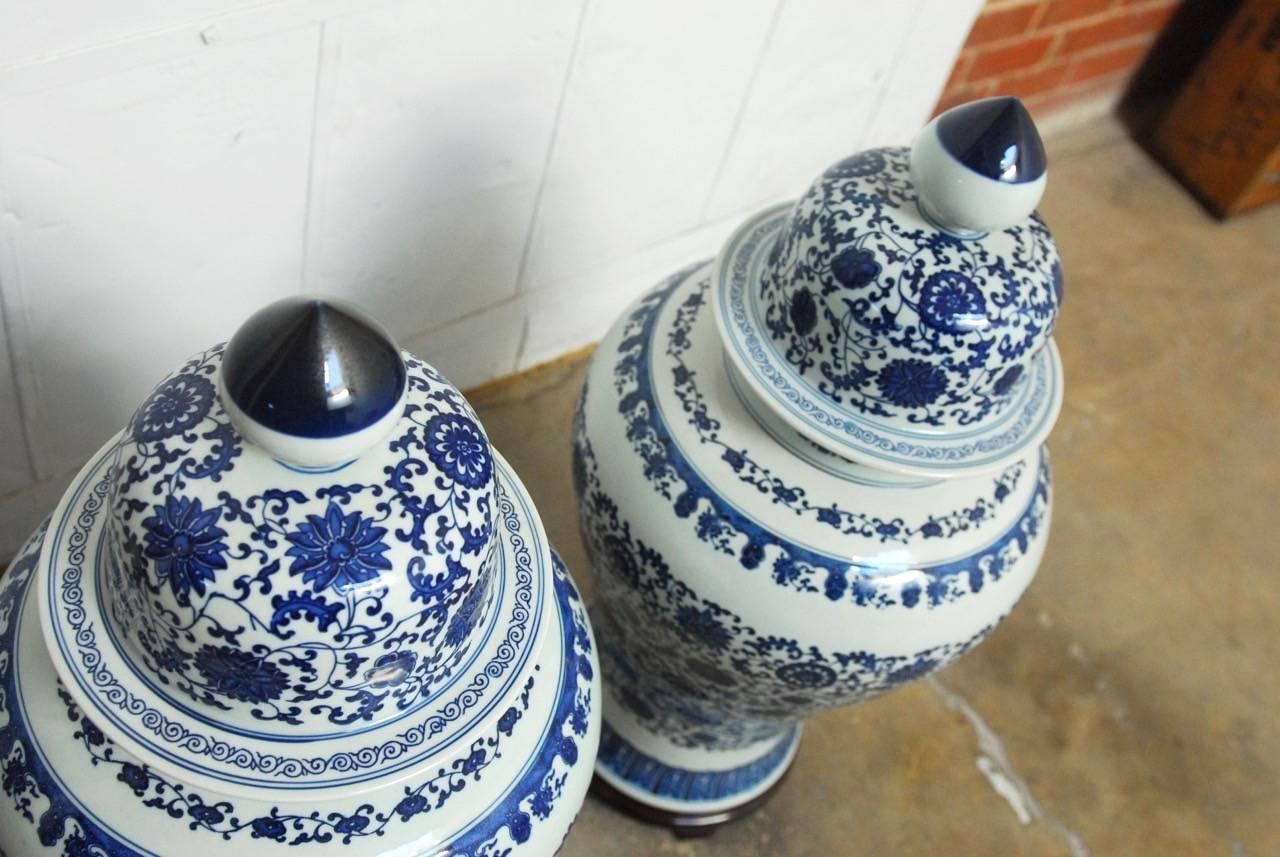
[1221,135]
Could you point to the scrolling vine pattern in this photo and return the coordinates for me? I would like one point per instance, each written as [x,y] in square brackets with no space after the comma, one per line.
[693,670]
[347,759]
[38,798]
[729,531]
[276,601]
[894,318]
[699,416]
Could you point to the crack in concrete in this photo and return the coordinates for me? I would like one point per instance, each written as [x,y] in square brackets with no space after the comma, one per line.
[994,764]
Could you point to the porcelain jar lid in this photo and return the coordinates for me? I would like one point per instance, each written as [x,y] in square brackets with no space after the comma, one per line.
[295,562]
[900,312]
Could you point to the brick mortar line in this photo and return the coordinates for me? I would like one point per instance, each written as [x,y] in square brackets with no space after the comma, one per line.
[1062,91]
[1034,30]
[1067,89]
[1052,59]
[1005,5]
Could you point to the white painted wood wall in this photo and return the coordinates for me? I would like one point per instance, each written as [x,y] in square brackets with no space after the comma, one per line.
[494,179]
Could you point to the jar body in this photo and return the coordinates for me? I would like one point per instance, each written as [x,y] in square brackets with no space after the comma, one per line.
[69,789]
[746,578]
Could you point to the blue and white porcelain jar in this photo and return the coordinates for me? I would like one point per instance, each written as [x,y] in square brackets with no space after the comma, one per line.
[298,605]
[812,470]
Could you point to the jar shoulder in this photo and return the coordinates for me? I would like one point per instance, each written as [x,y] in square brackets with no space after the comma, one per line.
[661,394]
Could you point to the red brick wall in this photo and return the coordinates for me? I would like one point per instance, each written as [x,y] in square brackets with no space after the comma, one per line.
[1051,53]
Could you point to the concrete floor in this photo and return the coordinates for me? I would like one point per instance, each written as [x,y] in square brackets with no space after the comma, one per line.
[1131,704]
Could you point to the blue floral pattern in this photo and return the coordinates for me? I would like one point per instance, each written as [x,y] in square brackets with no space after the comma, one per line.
[186,545]
[685,383]
[346,760]
[178,405]
[848,430]
[911,383]
[855,267]
[719,523]
[457,448]
[337,550]
[205,556]
[239,674]
[907,323]
[804,311]
[65,827]
[694,671]
[952,303]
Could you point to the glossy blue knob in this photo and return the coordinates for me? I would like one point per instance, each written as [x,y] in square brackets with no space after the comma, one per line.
[314,381]
[979,167]
[996,138]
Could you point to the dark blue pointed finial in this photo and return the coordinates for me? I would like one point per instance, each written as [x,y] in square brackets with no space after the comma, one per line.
[979,166]
[994,137]
[314,381]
